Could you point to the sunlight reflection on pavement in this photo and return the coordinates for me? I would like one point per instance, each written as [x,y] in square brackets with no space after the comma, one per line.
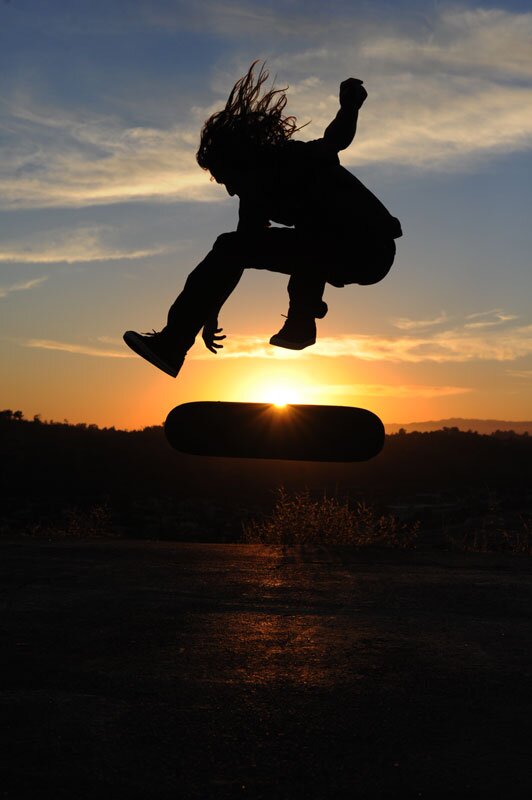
[265,671]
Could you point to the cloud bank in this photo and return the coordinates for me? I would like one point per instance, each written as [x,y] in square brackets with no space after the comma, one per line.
[56,160]
[505,340]
[442,96]
[500,338]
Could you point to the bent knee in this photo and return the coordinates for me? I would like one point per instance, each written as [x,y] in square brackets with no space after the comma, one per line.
[227,242]
[379,267]
[374,275]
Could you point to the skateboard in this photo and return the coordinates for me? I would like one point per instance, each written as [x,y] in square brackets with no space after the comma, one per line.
[261,430]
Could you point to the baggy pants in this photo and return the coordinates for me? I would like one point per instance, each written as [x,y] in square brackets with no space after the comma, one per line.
[311,258]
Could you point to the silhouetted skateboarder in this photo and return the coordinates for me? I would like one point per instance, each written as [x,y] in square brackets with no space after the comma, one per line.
[336,231]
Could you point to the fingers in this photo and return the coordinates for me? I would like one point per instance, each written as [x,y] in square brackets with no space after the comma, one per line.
[218,331]
[212,346]
[211,338]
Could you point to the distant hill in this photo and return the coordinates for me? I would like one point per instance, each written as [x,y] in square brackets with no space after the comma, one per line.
[485,426]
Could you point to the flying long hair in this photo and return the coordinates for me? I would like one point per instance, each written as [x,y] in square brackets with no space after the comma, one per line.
[247,123]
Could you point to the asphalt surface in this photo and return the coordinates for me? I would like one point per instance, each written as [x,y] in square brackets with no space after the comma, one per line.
[164,670]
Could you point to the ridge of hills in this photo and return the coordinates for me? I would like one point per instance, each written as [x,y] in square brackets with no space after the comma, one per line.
[485,426]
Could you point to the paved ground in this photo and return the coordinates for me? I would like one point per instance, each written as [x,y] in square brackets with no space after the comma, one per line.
[162,670]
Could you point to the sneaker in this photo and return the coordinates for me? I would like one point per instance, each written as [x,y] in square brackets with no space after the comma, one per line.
[154,348]
[296,334]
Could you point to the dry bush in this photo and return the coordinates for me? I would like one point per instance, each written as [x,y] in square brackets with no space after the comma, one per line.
[486,537]
[298,519]
[495,530]
[75,523]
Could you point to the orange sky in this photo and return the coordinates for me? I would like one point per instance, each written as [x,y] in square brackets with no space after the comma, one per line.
[103,211]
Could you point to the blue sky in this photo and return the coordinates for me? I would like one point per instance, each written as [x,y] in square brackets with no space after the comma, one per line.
[103,211]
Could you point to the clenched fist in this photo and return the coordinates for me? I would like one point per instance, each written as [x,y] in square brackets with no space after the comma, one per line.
[352,93]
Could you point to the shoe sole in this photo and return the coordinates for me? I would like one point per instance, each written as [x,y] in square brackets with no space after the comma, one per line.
[288,345]
[135,343]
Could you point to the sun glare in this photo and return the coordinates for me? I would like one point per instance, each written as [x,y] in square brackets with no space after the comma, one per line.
[277,387]
[281,395]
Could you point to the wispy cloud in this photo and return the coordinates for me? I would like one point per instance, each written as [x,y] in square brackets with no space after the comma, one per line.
[248,346]
[432,87]
[523,374]
[81,245]
[387,390]
[236,19]
[56,159]
[489,319]
[442,95]
[452,345]
[23,286]
[76,349]
[481,40]
[456,344]
[407,324]
[480,319]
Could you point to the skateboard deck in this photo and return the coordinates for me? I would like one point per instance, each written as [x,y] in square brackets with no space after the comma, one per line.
[262,430]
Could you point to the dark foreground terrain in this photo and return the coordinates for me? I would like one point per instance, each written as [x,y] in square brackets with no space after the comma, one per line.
[171,670]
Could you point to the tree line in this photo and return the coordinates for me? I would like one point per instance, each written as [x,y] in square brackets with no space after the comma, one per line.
[51,469]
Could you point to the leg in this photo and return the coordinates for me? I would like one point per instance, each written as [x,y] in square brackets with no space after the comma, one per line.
[306,304]
[378,258]
[206,289]
[309,259]
[305,293]
[282,250]
[210,284]
[373,262]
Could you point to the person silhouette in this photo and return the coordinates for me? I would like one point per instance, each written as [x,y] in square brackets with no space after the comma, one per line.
[334,229]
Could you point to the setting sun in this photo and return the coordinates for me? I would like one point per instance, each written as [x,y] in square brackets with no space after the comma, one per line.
[274,383]
[281,394]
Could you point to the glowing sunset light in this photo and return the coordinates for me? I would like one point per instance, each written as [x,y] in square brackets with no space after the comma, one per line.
[104,210]
[273,382]
[281,394]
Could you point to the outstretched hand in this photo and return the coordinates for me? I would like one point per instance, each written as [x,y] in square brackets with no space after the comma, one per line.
[352,93]
[210,337]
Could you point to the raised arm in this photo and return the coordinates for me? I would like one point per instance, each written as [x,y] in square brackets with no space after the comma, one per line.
[341,132]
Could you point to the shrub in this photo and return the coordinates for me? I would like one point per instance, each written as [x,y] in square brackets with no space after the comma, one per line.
[495,535]
[298,519]
[75,523]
